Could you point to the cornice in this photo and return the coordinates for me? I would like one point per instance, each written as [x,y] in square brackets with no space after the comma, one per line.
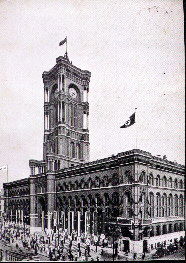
[124,158]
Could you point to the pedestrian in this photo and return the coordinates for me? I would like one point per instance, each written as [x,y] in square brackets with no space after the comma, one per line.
[78,243]
[134,256]
[50,255]
[96,242]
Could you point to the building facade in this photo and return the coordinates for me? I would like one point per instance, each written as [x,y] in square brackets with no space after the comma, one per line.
[137,197]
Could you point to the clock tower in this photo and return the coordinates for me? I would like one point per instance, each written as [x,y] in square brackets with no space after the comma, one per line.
[66,111]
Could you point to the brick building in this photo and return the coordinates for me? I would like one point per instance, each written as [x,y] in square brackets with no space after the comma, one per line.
[133,195]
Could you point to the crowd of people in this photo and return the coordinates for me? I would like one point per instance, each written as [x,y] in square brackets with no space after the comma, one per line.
[56,246]
[61,246]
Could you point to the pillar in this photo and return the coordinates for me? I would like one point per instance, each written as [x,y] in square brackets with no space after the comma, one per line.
[11,219]
[51,193]
[64,220]
[22,217]
[85,223]
[16,216]
[69,221]
[42,222]
[79,223]
[72,220]
[33,205]
[49,221]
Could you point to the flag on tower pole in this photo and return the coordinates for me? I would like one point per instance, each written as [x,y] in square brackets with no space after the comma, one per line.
[129,122]
[63,41]
[3,168]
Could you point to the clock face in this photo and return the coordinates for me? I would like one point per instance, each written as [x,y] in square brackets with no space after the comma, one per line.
[73,93]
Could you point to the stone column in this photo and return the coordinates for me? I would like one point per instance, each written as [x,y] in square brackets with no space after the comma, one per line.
[49,222]
[42,221]
[72,220]
[79,223]
[51,192]
[16,216]
[11,216]
[22,217]
[69,221]
[85,223]
[33,206]
[64,220]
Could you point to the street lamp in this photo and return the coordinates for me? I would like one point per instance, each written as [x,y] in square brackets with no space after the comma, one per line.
[115,231]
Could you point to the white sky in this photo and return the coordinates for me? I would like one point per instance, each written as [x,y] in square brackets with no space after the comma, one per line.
[135,52]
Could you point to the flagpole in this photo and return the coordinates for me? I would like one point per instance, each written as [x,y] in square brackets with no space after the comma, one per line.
[66,44]
[7,173]
[136,131]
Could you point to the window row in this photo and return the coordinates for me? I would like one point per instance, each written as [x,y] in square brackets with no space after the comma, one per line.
[164,206]
[91,183]
[157,181]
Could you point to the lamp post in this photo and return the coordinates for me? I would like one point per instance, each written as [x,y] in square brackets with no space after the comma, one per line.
[115,231]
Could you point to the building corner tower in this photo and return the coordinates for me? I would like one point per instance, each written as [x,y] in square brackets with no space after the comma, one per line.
[66,111]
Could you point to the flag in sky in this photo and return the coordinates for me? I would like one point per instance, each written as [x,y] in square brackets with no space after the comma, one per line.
[129,122]
[63,42]
[2,168]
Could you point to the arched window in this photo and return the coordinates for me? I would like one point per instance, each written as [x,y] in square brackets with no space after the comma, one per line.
[63,112]
[181,184]
[115,179]
[151,204]
[82,184]
[176,227]
[97,181]
[181,206]
[142,177]
[158,205]
[170,228]
[79,153]
[106,199]
[151,179]
[164,229]
[63,82]
[152,231]
[89,183]
[170,182]
[176,183]
[158,230]
[53,92]
[115,198]
[76,184]
[128,177]
[164,205]
[170,205]
[176,205]
[58,164]
[181,227]
[158,180]
[105,179]
[164,181]
[73,152]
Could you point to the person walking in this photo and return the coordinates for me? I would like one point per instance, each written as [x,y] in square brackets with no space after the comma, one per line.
[88,246]
[96,242]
